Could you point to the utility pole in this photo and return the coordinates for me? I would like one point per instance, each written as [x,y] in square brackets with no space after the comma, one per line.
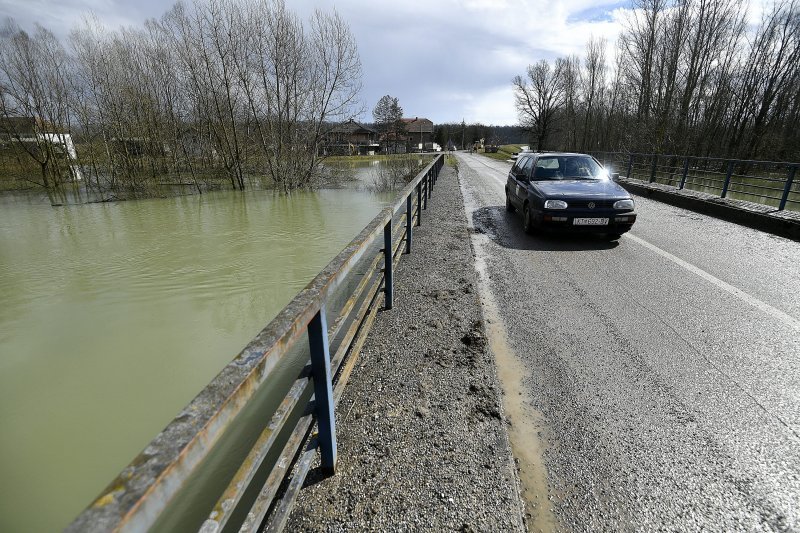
[463,125]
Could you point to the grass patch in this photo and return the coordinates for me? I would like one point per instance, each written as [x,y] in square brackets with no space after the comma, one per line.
[504,152]
[509,148]
[500,156]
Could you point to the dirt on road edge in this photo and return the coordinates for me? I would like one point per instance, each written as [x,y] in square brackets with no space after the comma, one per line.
[422,436]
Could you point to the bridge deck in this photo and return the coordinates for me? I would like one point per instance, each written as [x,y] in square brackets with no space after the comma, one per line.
[422,434]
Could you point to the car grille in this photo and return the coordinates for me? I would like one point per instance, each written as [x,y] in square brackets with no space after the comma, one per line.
[584,204]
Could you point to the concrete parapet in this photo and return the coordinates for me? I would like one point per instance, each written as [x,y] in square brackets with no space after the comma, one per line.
[758,216]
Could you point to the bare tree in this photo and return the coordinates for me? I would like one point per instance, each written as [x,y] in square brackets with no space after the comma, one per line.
[336,72]
[35,98]
[690,77]
[594,80]
[639,45]
[242,90]
[767,73]
[570,81]
[538,99]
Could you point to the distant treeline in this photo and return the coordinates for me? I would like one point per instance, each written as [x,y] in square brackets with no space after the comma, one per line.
[690,77]
[463,135]
[214,93]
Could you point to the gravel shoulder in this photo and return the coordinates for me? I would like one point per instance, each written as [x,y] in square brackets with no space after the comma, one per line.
[422,436]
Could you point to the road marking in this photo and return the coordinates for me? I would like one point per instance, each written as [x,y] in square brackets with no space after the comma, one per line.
[727,287]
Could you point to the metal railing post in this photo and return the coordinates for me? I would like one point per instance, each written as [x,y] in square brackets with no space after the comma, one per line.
[323,389]
[685,171]
[653,168]
[429,188]
[727,180]
[788,187]
[630,166]
[425,193]
[419,203]
[409,222]
[388,279]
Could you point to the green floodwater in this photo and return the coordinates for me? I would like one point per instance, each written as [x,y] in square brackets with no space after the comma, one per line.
[114,316]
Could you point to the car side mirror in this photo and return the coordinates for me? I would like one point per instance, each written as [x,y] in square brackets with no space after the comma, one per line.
[615,176]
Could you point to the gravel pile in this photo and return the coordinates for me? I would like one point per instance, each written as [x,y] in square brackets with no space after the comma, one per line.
[421,430]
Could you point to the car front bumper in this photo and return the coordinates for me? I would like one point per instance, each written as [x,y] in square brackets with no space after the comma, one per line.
[566,221]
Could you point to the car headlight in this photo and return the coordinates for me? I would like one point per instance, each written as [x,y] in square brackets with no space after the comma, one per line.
[623,204]
[555,204]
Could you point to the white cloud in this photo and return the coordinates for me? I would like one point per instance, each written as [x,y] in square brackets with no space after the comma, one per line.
[62,16]
[422,51]
[494,107]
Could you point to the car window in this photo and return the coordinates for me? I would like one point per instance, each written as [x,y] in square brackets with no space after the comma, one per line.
[568,167]
[581,167]
[547,168]
[526,169]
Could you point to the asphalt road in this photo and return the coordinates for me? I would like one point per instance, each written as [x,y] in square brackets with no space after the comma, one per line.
[663,370]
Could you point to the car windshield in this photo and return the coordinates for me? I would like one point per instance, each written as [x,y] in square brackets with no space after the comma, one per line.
[568,167]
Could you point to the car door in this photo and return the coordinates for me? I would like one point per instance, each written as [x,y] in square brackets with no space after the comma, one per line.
[511,183]
[521,181]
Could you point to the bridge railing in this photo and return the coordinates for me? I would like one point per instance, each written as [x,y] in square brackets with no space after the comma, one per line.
[770,183]
[238,454]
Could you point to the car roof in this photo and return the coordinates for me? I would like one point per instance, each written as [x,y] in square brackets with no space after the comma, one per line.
[542,154]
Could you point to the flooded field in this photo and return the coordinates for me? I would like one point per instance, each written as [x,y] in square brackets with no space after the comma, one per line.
[115,315]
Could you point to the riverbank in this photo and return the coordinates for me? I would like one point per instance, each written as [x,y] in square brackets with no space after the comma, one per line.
[335,172]
[422,436]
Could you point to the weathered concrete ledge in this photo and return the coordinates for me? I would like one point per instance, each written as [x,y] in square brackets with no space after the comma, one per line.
[758,216]
[422,436]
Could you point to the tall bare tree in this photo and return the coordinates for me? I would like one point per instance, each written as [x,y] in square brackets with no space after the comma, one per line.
[35,98]
[539,98]
[690,77]
[594,81]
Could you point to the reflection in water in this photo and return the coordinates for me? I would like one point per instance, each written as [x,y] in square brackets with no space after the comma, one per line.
[114,315]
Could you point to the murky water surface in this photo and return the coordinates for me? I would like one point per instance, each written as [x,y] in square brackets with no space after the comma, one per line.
[114,316]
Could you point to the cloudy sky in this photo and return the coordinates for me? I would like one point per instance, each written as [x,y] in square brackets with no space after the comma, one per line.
[446,60]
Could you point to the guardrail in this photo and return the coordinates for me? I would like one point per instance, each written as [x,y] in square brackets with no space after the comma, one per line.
[764,182]
[166,479]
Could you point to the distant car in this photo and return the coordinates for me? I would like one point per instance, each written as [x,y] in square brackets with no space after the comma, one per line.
[569,192]
[516,155]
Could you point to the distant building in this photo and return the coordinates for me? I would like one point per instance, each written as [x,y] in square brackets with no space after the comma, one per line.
[35,131]
[393,143]
[350,138]
[419,134]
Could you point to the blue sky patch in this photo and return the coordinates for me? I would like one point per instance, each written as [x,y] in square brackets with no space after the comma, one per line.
[600,13]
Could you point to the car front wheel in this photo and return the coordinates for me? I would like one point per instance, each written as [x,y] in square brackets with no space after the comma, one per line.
[527,220]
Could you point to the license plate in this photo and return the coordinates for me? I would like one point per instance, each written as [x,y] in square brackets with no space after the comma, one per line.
[590,222]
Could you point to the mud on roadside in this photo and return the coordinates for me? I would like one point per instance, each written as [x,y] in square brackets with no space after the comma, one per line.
[423,441]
